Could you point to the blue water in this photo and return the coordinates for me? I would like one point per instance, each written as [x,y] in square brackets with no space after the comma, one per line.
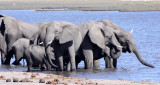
[146,34]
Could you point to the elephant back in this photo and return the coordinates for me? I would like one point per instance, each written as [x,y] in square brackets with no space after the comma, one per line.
[84,27]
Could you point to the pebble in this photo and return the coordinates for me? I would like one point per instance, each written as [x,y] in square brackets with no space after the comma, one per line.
[41,81]
[24,80]
[8,80]
[15,79]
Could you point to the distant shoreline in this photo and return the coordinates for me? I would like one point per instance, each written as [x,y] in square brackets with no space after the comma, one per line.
[80,5]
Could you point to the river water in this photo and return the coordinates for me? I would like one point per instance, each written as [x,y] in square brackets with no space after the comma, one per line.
[146,34]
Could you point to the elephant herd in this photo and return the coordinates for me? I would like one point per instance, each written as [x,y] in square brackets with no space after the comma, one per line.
[61,45]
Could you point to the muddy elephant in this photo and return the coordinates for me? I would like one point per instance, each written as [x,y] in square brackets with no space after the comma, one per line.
[65,39]
[126,40]
[13,29]
[97,42]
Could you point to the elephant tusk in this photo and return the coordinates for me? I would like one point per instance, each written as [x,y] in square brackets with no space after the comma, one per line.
[119,46]
[41,43]
[50,42]
[131,31]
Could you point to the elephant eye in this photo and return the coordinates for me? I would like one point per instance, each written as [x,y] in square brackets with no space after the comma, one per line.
[56,30]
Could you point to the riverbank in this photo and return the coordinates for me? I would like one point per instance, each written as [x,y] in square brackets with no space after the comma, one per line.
[25,78]
[84,5]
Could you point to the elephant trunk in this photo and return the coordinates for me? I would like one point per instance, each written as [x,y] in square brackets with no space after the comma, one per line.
[136,52]
[116,53]
[48,55]
[116,49]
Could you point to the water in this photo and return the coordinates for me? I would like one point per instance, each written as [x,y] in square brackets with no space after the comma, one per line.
[146,34]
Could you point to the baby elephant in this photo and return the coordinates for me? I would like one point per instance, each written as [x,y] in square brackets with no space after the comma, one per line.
[35,55]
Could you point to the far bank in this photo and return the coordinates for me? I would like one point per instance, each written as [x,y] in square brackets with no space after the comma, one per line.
[84,5]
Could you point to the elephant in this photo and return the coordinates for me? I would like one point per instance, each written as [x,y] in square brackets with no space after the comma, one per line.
[19,48]
[98,41]
[39,37]
[65,39]
[126,41]
[35,55]
[13,29]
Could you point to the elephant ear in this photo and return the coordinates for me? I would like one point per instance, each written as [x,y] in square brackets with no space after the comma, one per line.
[97,37]
[69,33]
[10,23]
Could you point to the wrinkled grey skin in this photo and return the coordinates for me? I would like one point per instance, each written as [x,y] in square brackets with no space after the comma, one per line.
[13,29]
[126,40]
[65,39]
[97,42]
[19,48]
[35,55]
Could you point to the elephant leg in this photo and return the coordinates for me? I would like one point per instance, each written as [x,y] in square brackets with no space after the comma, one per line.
[88,58]
[72,58]
[8,58]
[2,57]
[96,64]
[108,62]
[10,39]
[43,66]
[29,64]
[47,65]
[78,60]
[68,66]
[60,60]
[18,57]
[115,63]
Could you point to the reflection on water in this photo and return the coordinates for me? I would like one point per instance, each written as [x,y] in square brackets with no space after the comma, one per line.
[146,35]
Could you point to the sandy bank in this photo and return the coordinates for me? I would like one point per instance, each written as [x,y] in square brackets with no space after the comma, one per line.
[24,78]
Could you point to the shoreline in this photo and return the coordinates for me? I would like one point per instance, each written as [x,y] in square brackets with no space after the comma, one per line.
[34,78]
[80,5]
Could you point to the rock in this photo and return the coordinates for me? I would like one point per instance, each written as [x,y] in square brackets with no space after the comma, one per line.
[33,75]
[2,78]
[56,80]
[41,81]
[8,80]
[15,79]
[24,80]
[51,82]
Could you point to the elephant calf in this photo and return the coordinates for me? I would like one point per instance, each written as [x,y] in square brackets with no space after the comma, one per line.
[35,55]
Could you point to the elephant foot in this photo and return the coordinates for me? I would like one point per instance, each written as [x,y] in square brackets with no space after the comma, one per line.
[16,63]
[73,69]
[6,63]
[42,68]
[96,68]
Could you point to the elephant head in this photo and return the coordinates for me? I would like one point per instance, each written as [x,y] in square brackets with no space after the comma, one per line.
[104,37]
[60,32]
[126,40]
[112,42]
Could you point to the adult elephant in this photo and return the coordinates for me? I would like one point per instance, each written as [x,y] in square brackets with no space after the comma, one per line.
[13,29]
[65,39]
[126,40]
[97,42]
